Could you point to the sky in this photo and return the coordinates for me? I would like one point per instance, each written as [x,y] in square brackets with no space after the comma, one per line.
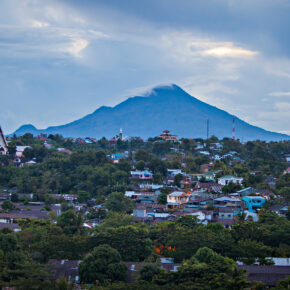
[61,60]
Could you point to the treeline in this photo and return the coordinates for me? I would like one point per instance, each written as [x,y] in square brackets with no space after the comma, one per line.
[23,255]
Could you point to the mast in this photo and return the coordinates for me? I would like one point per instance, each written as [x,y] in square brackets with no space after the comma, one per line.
[3,143]
[234,132]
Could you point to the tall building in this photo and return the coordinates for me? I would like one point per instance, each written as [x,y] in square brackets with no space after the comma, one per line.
[167,136]
[3,143]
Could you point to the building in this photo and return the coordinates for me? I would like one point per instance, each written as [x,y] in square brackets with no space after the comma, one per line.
[228,178]
[166,136]
[143,175]
[20,150]
[206,167]
[270,275]
[178,197]
[228,201]
[254,203]
[3,143]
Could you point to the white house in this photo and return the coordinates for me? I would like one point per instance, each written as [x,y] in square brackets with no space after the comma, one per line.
[20,150]
[177,197]
[228,178]
[173,172]
[3,143]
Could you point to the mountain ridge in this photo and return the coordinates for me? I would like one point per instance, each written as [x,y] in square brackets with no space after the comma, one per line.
[163,107]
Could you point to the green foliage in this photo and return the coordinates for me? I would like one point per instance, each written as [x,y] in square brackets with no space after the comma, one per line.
[7,205]
[101,265]
[118,202]
[205,270]
[231,187]
[70,222]
[148,271]
[140,165]
[132,242]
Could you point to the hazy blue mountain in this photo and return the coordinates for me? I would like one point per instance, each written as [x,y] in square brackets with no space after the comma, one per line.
[164,107]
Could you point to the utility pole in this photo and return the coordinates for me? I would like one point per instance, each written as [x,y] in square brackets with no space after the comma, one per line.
[207,128]
[234,133]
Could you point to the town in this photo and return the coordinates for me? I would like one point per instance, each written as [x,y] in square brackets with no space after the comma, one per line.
[157,202]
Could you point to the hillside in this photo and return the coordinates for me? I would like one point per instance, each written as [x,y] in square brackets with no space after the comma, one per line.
[164,107]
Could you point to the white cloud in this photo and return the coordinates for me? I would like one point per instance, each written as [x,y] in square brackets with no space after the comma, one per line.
[279,94]
[39,24]
[283,106]
[229,51]
[77,46]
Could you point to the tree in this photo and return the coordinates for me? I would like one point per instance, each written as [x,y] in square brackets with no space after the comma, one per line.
[118,202]
[249,251]
[142,155]
[7,205]
[148,271]
[177,179]
[132,241]
[83,196]
[231,187]
[102,264]
[70,222]
[140,165]
[14,197]
[162,197]
[205,270]
[188,221]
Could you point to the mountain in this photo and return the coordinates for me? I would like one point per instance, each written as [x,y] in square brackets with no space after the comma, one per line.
[164,107]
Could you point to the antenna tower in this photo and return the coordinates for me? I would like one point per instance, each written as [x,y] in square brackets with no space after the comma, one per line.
[234,130]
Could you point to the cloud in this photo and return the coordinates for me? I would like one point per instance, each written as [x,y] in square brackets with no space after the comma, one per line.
[229,51]
[283,106]
[39,24]
[279,94]
[77,46]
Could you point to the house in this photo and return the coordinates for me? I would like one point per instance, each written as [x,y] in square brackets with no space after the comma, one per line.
[204,217]
[197,202]
[64,268]
[271,180]
[204,153]
[3,143]
[198,146]
[133,268]
[228,201]
[228,178]
[142,175]
[270,275]
[20,150]
[225,213]
[215,146]
[146,198]
[116,157]
[140,212]
[64,150]
[66,197]
[254,203]
[251,216]
[280,209]
[247,191]
[166,136]
[287,171]
[12,226]
[30,162]
[206,167]
[178,197]
[151,186]
[132,194]
[207,187]
[226,216]
[173,172]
